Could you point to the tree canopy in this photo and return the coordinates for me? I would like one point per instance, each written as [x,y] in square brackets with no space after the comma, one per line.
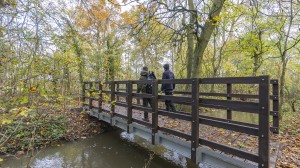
[53,45]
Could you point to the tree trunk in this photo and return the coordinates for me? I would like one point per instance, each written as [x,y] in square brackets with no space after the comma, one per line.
[257,54]
[80,59]
[203,40]
[190,40]
[284,59]
[282,82]
[255,68]
[212,89]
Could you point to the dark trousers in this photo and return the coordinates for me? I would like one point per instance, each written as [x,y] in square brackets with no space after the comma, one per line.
[169,104]
[146,101]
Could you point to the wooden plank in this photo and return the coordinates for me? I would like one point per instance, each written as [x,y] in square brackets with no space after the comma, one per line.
[181,92]
[229,150]
[142,122]
[229,121]
[174,132]
[129,103]
[142,82]
[121,82]
[141,95]
[250,107]
[175,115]
[141,108]
[246,96]
[177,99]
[232,80]
[123,104]
[275,112]
[100,100]
[117,89]
[121,116]
[112,97]
[229,126]
[172,81]
[121,94]
[229,111]
[263,138]
[195,120]
[154,106]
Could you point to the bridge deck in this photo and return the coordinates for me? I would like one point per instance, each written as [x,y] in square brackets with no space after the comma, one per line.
[230,138]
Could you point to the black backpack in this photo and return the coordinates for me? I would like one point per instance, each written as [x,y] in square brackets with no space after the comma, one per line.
[148,86]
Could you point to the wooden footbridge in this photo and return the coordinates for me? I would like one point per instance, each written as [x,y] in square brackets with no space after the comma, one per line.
[202,138]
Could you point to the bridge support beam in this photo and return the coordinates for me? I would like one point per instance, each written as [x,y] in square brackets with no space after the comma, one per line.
[129,103]
[263,117]
[195,120]
[154,110]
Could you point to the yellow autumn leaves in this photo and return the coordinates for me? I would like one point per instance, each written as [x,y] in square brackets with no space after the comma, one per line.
[215,20]
[14,113]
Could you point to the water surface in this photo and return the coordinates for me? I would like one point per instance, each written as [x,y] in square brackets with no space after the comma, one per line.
[106,150]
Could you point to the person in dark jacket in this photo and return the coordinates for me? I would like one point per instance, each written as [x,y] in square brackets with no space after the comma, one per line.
[141,88]
[168,88]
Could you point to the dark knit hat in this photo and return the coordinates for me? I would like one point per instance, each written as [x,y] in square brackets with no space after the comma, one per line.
[145,68]
[166,66]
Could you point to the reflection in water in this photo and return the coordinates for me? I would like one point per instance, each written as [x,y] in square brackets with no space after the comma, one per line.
[50,161]
[107,150]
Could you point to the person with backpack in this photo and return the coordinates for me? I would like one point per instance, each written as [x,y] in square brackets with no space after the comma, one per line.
[146,88]
[168,88]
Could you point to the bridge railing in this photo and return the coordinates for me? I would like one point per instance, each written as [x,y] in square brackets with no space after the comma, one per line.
[105,94]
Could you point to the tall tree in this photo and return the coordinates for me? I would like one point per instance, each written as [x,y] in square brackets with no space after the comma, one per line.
[202,21]
[287,36]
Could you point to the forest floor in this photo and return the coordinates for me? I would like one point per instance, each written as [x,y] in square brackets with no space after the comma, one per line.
[289,139]
[81,125]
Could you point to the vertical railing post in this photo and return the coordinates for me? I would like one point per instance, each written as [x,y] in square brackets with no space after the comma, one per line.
[229,90]
[100,100]
[275,112]
[112,98]
[129,103]
[90,96]
[264,115]
[118,89]
[195,119]
[154,105]
[83,93]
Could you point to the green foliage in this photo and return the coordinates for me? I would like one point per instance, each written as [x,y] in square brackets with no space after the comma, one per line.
[30,131]
[44,60]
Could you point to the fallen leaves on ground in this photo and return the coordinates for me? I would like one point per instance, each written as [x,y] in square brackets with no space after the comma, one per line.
[81,125]
[289,138]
